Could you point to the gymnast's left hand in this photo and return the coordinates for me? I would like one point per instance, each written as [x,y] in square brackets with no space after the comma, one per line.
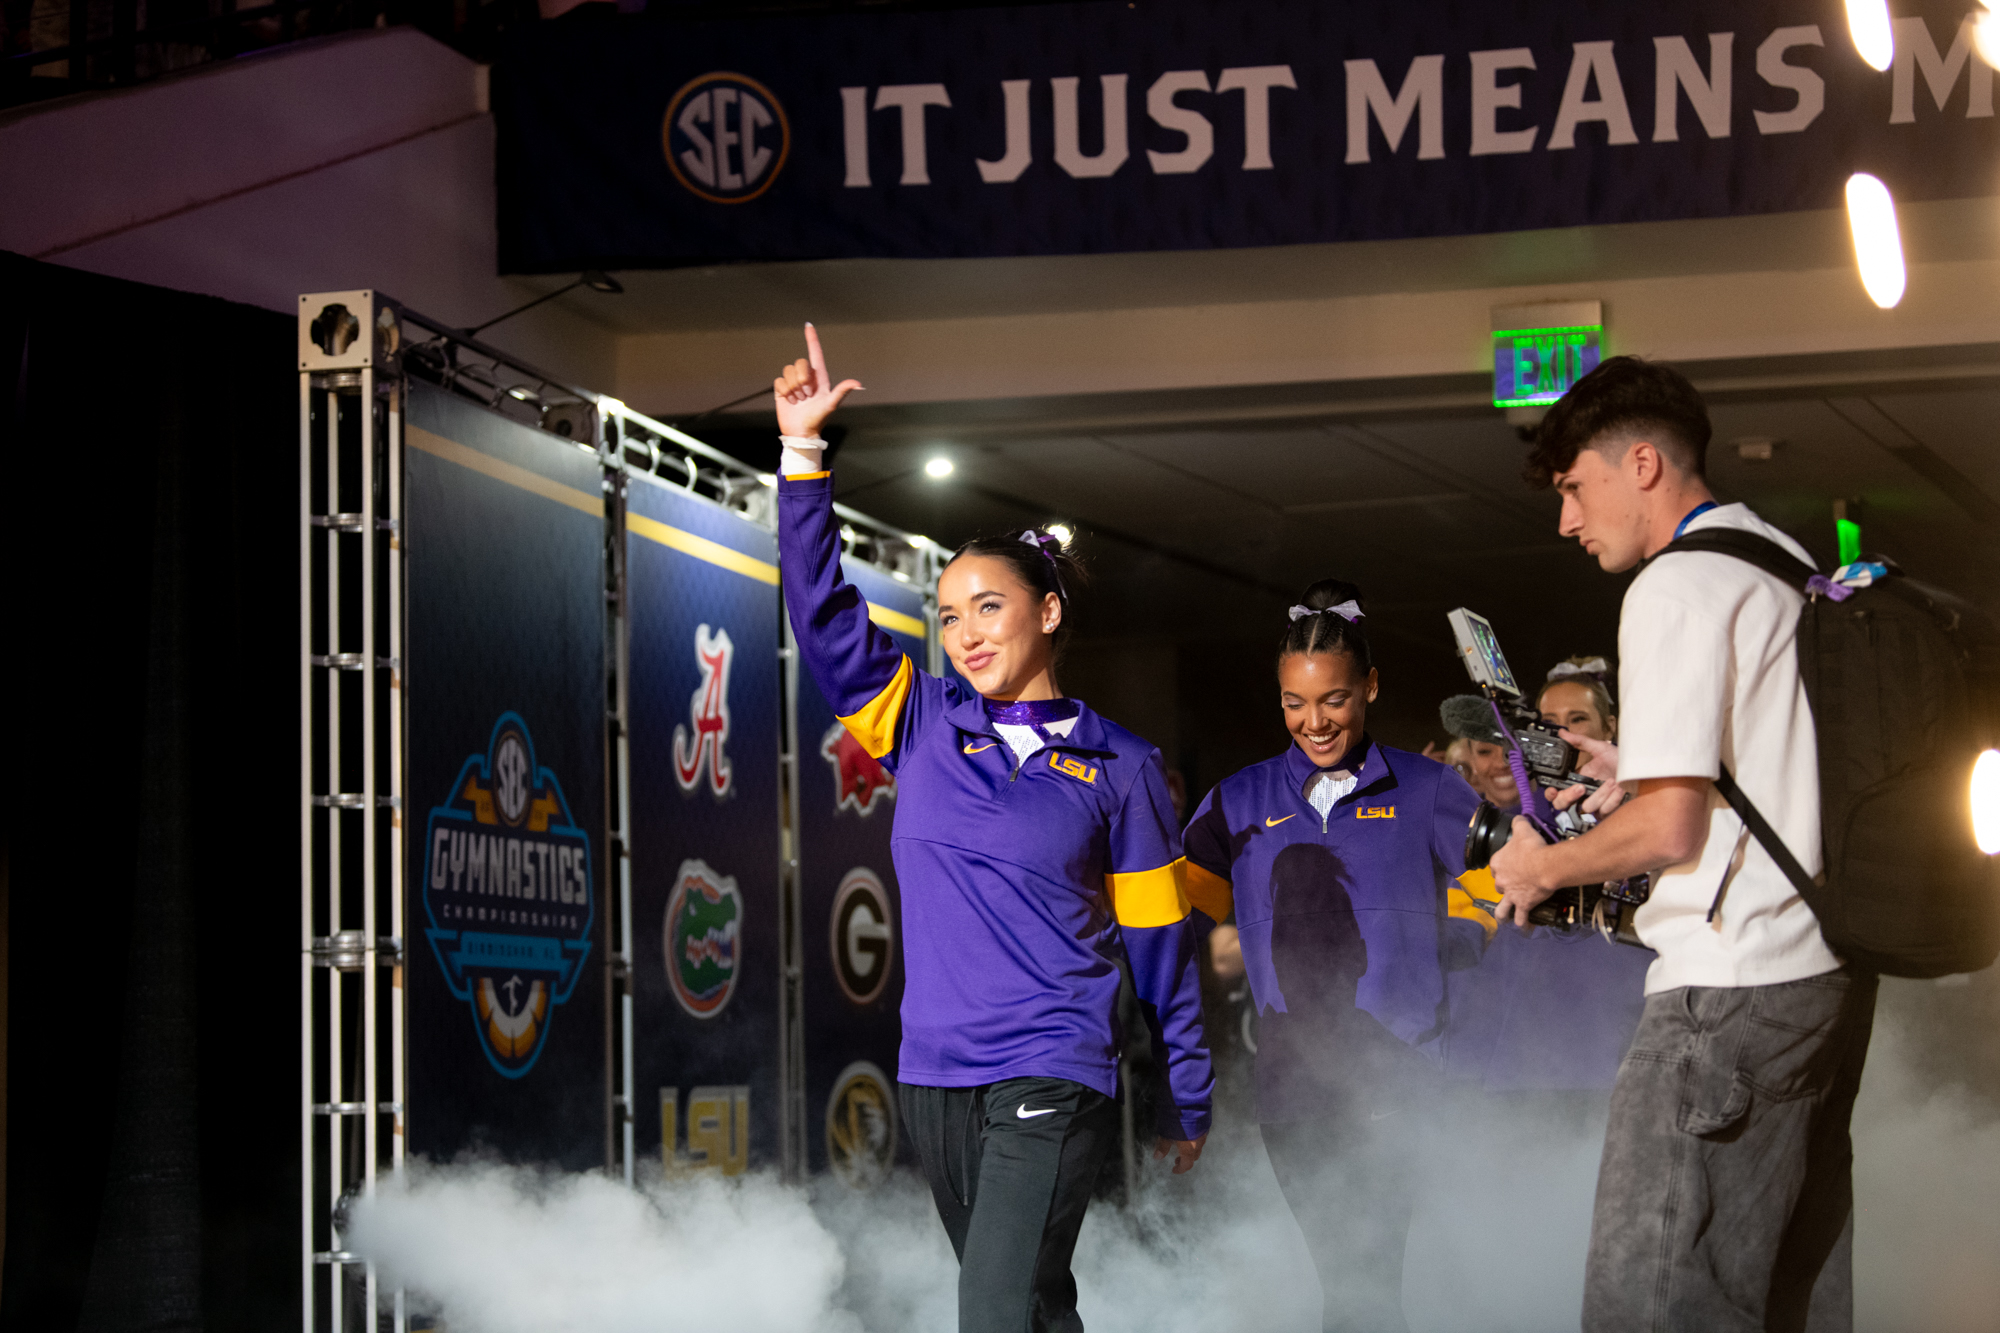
[1185,1152]
[805,394]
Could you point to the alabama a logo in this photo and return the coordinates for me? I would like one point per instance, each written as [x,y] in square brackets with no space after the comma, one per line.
[726,138]
[859,780]
[699,758]
[508,893]
[861,1126]
[701,935]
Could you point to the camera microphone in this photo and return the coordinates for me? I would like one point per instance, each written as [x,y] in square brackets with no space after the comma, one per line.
[1469,716]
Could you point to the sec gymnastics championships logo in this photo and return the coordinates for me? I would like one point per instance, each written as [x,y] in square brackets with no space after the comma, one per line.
[701,934]
[508,892]
[726,138]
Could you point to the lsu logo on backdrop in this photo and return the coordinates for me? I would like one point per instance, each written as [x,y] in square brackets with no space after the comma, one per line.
[864,937]
[861,1126]
[698,745]
[508,892]
[859,780]
[726,137]
[701,935]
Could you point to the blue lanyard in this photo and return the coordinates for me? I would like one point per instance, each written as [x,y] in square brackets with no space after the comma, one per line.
[1692,515]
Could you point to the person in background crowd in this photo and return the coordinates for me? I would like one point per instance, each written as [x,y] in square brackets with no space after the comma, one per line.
[1482,761]
[1337,859]
[1035,844]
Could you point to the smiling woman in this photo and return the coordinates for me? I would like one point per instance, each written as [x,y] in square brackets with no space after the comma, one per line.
[1337,858]
[1021,816]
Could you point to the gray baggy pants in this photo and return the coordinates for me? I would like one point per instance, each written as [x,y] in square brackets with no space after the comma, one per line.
[1725,1201]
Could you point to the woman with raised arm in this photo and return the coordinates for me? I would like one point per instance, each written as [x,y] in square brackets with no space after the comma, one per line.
[1034,840]
[1338,859]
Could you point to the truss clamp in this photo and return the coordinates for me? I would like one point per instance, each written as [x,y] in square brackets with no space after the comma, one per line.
[347,950]
[341,522]
[339,1258]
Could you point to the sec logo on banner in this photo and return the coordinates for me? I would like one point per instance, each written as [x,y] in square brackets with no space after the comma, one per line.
[726,137]
[700,933]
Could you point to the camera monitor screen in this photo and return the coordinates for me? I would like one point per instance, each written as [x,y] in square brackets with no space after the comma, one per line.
[1480,648]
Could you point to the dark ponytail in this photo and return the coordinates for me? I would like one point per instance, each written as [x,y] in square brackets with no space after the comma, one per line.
[1317,628]
[1040,562]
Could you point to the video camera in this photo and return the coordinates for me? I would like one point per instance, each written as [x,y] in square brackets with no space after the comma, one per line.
[1539,758]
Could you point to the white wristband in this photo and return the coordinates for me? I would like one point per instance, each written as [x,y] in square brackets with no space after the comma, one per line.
[799,456]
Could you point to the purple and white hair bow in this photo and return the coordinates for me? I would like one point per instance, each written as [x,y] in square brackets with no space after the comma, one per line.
[1595,667]
[1050,546]
[1350,611]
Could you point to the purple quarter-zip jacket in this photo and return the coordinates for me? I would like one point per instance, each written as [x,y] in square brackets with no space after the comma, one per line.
[1020,882]
[1349,923]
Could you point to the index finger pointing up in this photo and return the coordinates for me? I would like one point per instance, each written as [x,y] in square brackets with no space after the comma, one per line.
[815,355]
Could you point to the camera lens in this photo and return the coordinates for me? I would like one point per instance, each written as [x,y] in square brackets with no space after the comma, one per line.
[1487,834]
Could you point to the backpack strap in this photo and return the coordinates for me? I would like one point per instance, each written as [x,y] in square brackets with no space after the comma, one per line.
[1755,549]
[1767,837]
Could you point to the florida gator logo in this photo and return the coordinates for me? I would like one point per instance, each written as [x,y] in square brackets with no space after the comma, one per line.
[699,759]
[508,892]
[859,780]
[701,935]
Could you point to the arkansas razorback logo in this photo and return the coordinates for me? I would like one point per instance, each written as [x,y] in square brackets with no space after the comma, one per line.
[859,780]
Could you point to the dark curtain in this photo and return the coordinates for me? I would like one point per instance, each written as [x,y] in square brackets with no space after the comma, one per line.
[151,440]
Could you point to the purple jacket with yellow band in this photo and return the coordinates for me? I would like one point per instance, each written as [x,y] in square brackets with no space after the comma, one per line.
[1349,923]
[1020,882]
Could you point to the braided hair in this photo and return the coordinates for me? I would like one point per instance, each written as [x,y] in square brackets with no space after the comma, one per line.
[1041,564]
[1327,619]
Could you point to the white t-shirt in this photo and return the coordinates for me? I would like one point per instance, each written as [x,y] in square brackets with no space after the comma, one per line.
[1708,673]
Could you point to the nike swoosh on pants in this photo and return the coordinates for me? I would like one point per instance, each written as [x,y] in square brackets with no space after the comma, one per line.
[1025,1114]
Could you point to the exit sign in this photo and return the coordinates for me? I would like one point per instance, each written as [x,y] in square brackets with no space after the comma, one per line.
[1534,367]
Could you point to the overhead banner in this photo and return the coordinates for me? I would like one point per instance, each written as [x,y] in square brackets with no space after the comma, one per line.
[704,706]
[503,546]
[642,141]
[852,918]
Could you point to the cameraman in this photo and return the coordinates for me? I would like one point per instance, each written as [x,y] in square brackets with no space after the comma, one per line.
[1725,1197]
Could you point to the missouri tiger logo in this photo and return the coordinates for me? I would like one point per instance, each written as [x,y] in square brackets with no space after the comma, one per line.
[509,896]
[861,1126]
[701,934]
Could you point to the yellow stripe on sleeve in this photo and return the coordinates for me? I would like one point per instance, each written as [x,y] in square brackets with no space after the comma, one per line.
[1149,897]
[874,725]
[1479,884]
[808,476]
[1209,892]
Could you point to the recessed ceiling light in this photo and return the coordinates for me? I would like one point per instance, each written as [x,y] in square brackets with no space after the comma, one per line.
[937,468]
[1062,532]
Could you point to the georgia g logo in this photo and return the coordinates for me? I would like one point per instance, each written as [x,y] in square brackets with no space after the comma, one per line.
[726,137]
[507,890]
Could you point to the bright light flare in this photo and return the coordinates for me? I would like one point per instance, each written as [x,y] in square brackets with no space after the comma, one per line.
[1986,35]
[1062,532]
[1986,802]
[938,469]
[1874,38]
[1878,245]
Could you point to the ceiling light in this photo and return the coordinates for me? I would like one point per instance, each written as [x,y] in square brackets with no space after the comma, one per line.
[1878,246]
[1986,34]
[1986,802]
[1756,449]
[1874,38]
[1062,532]
[938,468]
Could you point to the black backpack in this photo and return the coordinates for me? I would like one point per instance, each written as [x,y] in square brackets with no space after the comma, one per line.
[1903,680]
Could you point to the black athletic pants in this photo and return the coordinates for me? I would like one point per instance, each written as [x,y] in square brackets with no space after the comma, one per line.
[1350,1179]
[1011,1166]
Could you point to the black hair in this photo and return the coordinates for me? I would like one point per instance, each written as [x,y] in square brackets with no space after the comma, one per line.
[1329,632]
[1623,397]
[1043,566]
